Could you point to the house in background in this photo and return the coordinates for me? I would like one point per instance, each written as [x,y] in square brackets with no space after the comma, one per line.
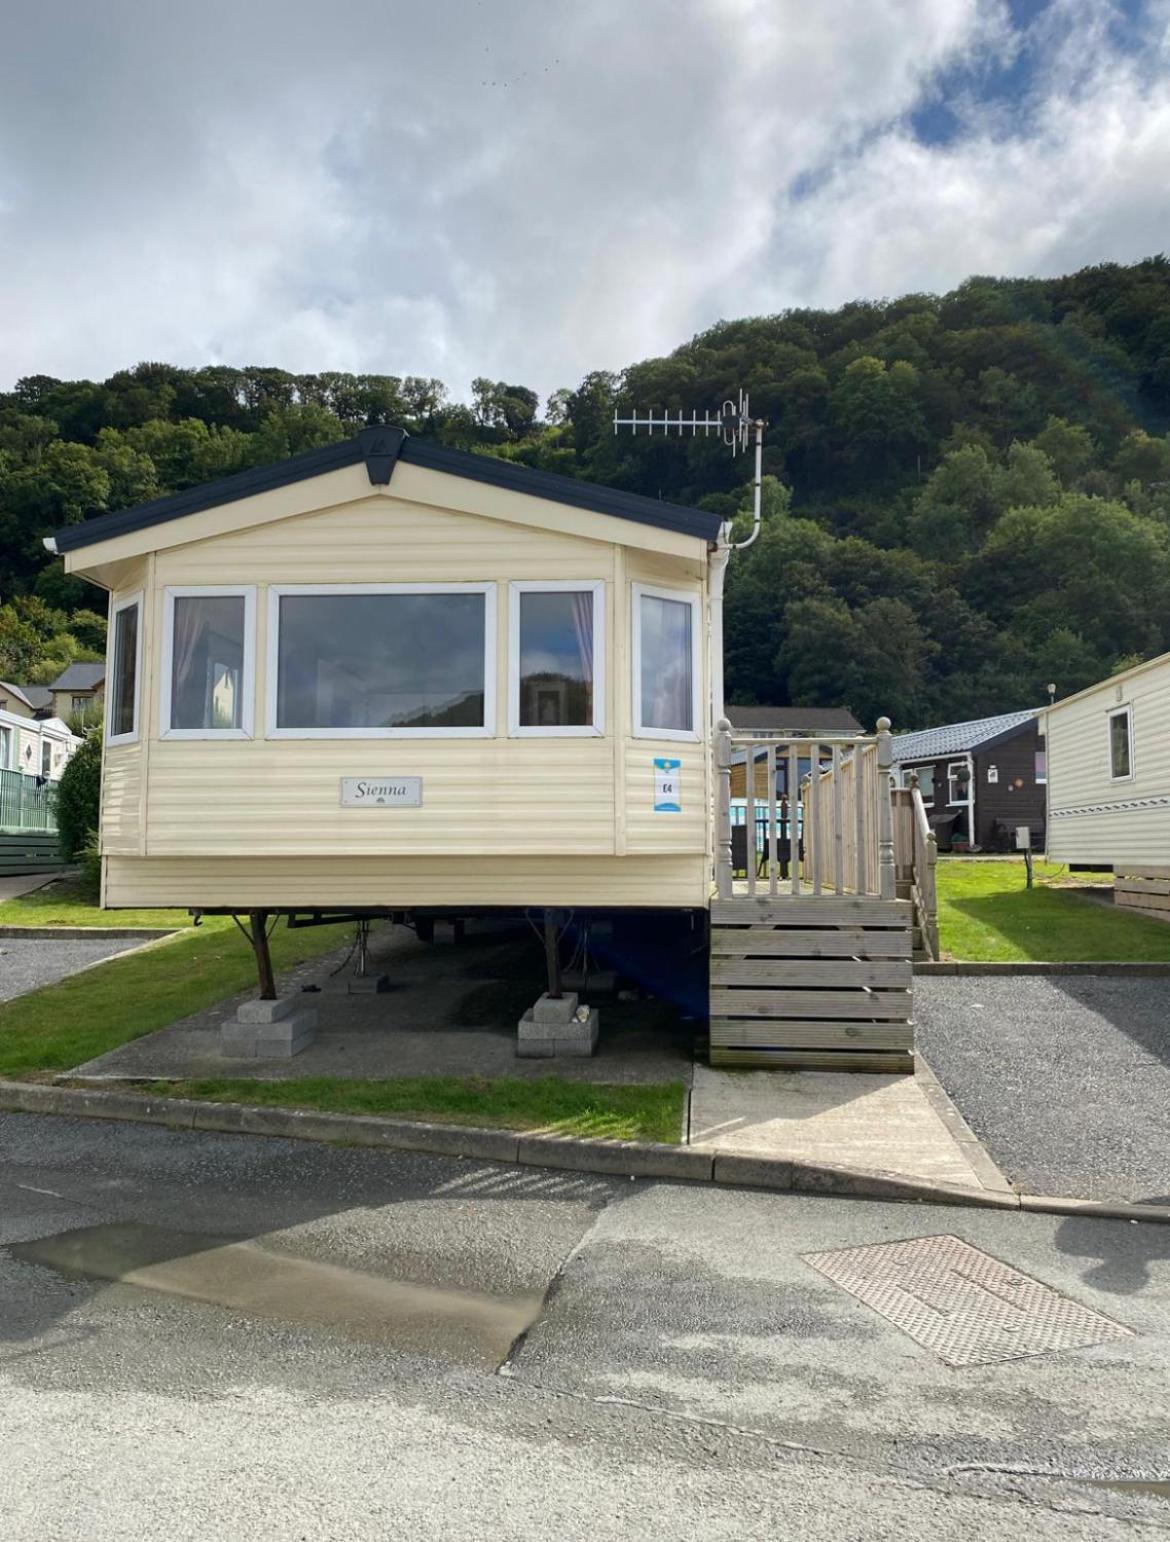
[28,701]
[77,692]
[1109,788]
[980,781]
[778,722]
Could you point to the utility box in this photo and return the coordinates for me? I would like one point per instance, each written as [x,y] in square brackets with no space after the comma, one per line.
[1023,838]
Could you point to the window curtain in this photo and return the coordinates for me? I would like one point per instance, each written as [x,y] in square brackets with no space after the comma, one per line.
[583,629]
[190,624]
[667,665]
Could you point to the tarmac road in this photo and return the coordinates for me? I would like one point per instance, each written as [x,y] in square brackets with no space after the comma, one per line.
[1064,1078]
[217,1336]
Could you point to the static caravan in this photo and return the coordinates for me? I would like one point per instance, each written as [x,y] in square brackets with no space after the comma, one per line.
[387,676]
[1109,782]
[33,754]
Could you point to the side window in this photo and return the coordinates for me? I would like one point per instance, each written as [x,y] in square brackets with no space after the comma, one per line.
[46,758]
[556,664]
[125,671]
[666,664]
[5,749]
[208,663]
[1041,760]
[926,783]
[1121,744]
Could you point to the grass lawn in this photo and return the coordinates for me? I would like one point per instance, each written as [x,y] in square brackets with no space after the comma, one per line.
[62,1025]
[65,903]
[546,1104]
[987,914]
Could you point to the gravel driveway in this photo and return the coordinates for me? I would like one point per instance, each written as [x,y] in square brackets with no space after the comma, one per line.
[29,962]
[1065,1078]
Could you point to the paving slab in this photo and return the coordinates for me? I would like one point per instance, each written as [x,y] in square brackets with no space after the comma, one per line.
[882,1124]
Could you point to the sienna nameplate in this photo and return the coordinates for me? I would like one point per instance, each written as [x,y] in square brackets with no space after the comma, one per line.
[381,792]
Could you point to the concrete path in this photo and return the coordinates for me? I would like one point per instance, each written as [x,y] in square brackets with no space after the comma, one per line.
[1065,1078]
[876,1123]
[450,1011]
[686,1373]
[13,888]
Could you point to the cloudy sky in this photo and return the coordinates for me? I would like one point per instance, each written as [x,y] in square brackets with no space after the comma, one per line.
[529,189]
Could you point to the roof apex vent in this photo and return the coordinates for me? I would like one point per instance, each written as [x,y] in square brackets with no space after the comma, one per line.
[380,444]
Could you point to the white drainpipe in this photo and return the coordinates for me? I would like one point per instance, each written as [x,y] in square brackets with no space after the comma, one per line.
[717,576]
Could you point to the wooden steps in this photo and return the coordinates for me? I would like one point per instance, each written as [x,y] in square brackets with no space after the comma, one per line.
[812,982]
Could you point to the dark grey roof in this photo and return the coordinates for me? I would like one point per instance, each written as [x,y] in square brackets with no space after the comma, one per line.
[79,677]
[21,693]
[381,449]
[959,738]
[793,720]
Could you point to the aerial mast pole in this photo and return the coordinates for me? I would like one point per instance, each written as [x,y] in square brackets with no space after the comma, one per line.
[736,427]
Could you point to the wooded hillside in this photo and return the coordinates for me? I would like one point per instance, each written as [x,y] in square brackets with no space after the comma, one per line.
[968,495]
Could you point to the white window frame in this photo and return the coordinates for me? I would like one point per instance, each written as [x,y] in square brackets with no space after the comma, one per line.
[593,730]
[276,593]
[8,738]
[688,596]
[111,670]
[247,674]
[1125,709]
[916,771]
[952,780]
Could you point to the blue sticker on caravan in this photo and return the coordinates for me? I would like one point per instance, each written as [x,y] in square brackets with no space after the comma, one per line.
[667,793]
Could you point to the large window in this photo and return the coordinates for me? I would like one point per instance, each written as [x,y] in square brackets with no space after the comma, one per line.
[125,671]
[925,775]
[207,663]
[556,659]
[354,661]
[666,664]
[5,749]
[1121,744]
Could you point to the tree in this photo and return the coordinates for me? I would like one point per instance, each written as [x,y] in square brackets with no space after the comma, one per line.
[78,797]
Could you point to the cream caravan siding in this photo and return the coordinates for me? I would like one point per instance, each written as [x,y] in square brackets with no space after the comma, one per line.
[251,808]
[304,882]
[1091,817]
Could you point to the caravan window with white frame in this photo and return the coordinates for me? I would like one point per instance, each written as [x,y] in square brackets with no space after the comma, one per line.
[367,661]
[1121,744]
[667,663]
[5,748]
[556,658]
[208,663]
[124,685]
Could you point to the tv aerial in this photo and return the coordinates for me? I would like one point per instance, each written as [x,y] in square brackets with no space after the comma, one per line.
[734,425]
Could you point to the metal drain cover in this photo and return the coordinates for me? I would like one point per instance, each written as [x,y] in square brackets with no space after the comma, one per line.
[966,1306]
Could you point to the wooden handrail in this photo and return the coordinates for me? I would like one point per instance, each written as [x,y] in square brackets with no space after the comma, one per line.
[832,828]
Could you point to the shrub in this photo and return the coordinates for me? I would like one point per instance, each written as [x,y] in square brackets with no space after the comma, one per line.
[89,879]
[78,797]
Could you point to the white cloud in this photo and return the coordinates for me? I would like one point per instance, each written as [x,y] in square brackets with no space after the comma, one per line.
[533,189]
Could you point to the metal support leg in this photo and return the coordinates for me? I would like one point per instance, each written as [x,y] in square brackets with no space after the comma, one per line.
[552,954]
[259,926]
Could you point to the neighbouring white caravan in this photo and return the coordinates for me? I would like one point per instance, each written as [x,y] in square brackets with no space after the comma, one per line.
[1109,782]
